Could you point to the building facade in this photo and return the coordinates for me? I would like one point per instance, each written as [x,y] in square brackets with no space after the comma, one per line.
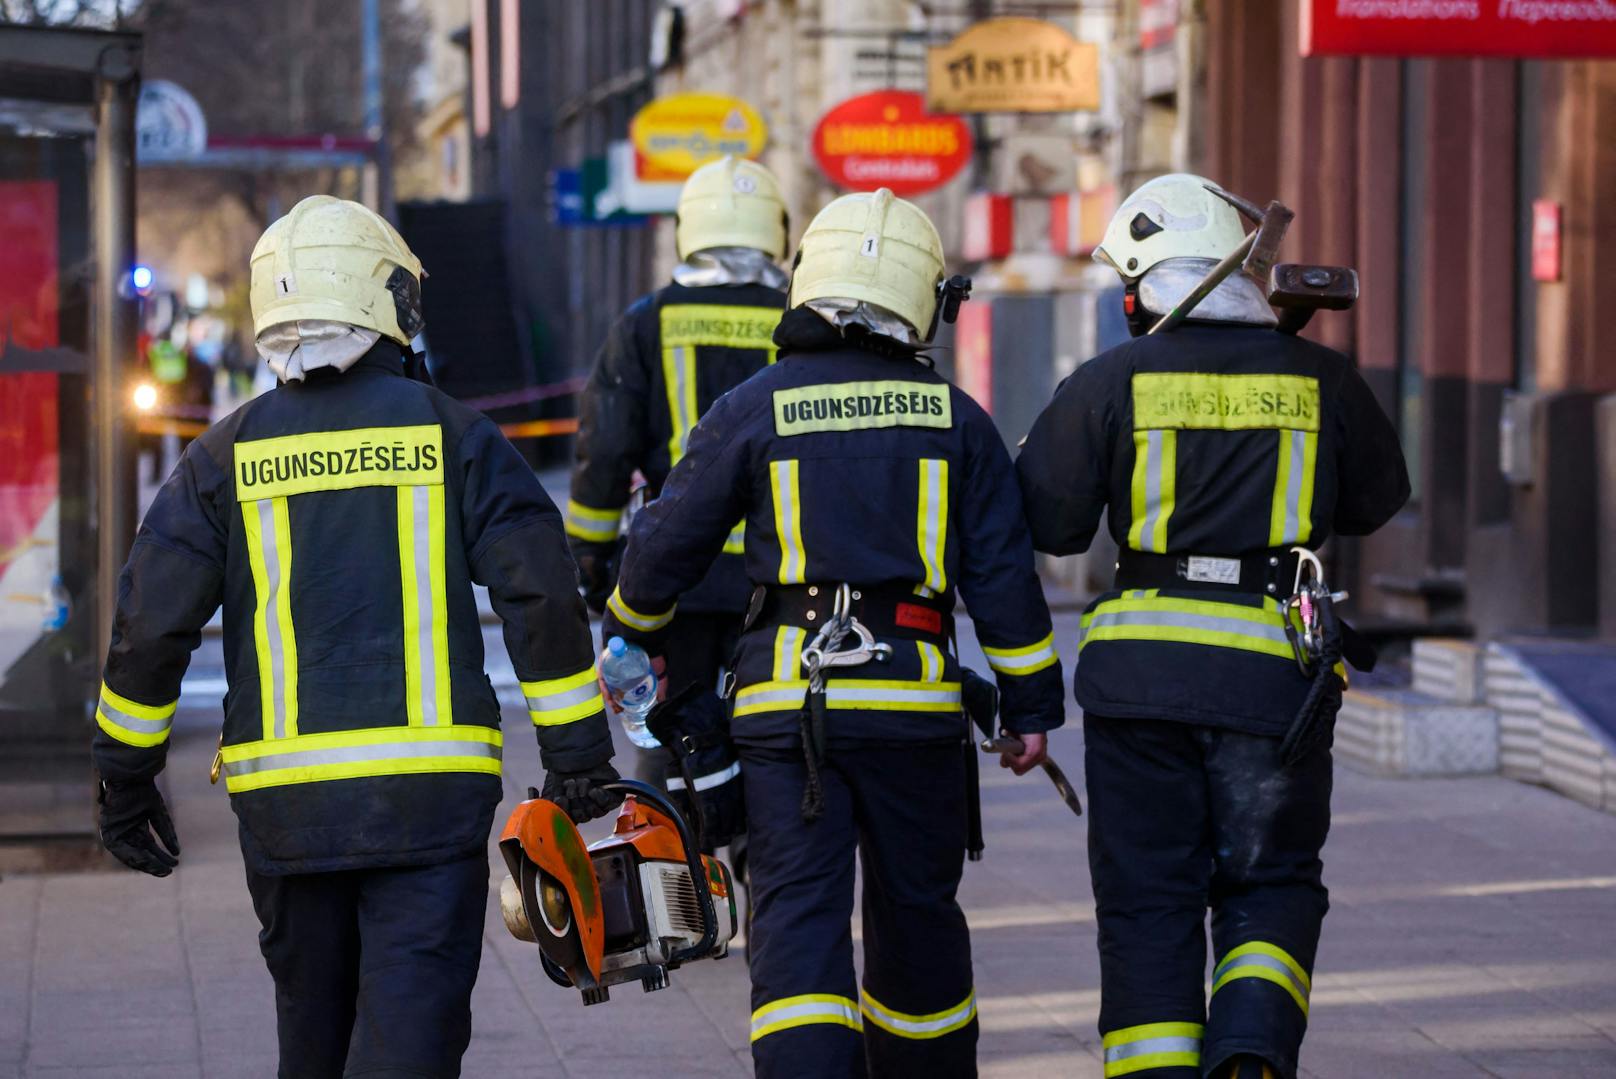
[1492,352]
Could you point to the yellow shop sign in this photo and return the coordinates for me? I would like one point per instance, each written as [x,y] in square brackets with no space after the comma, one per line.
[680,133]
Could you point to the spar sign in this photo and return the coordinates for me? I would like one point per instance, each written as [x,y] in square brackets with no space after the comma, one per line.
[888,139]
[1521,28]
[676,135]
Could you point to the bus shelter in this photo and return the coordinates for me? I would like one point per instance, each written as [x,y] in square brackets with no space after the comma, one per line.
[67,338]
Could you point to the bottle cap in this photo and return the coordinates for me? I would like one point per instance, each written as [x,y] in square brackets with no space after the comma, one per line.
[617,646]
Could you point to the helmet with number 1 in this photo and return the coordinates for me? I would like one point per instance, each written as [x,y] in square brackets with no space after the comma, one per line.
[731,202]
[334,260]
[874,247]
[1173,216]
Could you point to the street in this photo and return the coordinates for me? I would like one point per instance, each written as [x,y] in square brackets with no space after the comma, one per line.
[1471,934]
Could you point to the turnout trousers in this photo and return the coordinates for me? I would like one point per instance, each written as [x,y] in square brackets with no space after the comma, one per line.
[1185,817]
[373,968]
[901,807]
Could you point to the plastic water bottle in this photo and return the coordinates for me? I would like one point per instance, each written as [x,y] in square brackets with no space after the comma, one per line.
[58,605]
[626,670]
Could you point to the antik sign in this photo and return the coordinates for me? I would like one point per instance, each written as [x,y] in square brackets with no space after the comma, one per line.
[1013,65]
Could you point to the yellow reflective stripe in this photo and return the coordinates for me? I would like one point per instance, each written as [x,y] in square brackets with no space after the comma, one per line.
[268,533]
[798,1011]
[422,571]
[719,326]
[1025,660]
[931,524]
[918,1027]
[1194,400]
[1304,501]
[645,623]
[555,701]
[783,476]
[1154,618]
[1268,962]
[133,723]
[1155,466]
[862,406]
[931,662]
[1152,1045]
[788,645]
[377,751]
[679,377]
[339,461]
[869,694]
[592,525]
[1291,512]
[736,544]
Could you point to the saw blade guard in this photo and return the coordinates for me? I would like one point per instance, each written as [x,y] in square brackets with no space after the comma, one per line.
[552,897]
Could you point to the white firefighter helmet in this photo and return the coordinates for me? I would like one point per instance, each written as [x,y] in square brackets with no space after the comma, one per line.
[731,202]
[1173,216]
[333,260]
[874,247]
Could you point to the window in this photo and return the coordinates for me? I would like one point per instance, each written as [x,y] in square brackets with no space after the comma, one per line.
[1411,270]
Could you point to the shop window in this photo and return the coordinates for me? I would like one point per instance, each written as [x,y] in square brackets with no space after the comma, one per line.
[1528,184]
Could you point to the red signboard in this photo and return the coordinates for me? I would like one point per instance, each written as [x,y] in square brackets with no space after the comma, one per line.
[973,351]
[1158,19]
[1545,240]
[888,139]
[28,320]
[1546,28]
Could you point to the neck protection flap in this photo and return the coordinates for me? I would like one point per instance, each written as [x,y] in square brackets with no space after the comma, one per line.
[292,349]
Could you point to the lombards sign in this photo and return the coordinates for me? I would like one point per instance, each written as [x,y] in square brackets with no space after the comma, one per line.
[888,139]
[1524,28]
[1013,65]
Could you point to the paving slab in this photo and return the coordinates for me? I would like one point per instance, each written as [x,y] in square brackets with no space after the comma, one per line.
[1470,934]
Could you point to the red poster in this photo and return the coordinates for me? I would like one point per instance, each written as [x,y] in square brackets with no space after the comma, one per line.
[28,319]
[1158,21]
[888,139]
[1522,28]
[973,351]
[1545,240]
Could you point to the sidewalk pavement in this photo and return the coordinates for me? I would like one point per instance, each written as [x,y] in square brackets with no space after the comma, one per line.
[1473,933]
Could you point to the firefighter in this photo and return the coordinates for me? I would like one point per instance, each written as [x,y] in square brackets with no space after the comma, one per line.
[865,480]
[670,356]
[341,520]
[1212,450]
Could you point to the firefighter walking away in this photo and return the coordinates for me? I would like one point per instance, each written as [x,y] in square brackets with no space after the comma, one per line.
[1213,451]
[341,520]
[872,492]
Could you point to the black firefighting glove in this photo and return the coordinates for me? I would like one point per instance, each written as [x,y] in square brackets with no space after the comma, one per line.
[130,813]
[579,793]
[597,572]
[703,771]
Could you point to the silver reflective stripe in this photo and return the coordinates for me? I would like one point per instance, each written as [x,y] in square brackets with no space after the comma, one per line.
[421,510]
[555,702]
[840,1011]
[383,751]
[1153,490]
[1257,959]
[124,719]
[837,695]
[789,697]
[709,781]
[1174,619]
[1152,1045]
[792,556]
[1293,486]
[272,614]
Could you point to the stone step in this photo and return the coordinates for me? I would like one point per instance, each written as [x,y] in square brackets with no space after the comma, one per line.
[1450,669]
[1402,732]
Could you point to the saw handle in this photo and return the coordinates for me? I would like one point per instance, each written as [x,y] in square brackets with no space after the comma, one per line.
[698,871]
